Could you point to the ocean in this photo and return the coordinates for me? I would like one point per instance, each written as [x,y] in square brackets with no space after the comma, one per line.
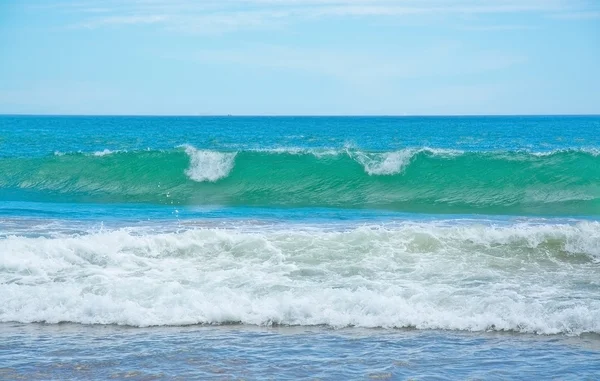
[281,248]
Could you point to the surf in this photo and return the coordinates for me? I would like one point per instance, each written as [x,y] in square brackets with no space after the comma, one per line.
[429,275]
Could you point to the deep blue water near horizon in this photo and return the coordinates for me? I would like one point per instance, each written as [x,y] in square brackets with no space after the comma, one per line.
[40,135]
[300,247]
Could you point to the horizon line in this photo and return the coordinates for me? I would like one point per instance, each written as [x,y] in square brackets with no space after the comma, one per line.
[293,115]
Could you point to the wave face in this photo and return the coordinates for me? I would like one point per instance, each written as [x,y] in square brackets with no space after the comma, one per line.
[521,277]
[412,180]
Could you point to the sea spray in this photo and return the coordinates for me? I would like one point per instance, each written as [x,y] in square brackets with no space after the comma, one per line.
[208,165]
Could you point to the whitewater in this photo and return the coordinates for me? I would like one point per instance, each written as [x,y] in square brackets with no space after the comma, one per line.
[380,247]
[427,275]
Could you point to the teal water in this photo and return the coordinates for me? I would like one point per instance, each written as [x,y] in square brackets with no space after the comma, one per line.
[373,237]
[563,182]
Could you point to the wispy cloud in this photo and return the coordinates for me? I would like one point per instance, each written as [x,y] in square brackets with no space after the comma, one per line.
[228,15]
[589,15]
[122,20]
[496,28]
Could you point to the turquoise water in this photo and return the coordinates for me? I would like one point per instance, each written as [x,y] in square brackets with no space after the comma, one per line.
[329,247]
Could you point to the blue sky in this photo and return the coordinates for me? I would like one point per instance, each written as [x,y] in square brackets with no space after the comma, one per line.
[414,57]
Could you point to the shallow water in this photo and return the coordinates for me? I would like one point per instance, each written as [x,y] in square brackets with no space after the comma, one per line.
[66,351]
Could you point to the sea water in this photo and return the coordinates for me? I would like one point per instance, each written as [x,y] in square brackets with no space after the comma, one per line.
[300,247]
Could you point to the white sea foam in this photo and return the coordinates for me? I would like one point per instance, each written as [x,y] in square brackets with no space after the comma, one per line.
[208,165]
[588,150]
[385,163]
[391,163]
[317,152]
[104,152]
[522,277]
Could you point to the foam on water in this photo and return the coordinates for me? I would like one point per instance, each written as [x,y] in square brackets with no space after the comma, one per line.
[590,151]
[391,163]
[104,152]
[388,163]
[208,165]
[525,277]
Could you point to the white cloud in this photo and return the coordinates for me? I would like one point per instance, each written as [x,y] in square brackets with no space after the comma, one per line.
[122,20]
[227,15]
[590,15]
[496,28]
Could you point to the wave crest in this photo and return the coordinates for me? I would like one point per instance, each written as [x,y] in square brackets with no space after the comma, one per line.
[423,180]
[392,163]
[208,165]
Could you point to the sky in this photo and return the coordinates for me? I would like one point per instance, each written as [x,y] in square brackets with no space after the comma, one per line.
[300,57]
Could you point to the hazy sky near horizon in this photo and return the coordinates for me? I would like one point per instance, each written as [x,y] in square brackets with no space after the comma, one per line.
[426,57]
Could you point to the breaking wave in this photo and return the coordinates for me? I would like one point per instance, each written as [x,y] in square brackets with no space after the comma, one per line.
[422,180]
[423,275]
